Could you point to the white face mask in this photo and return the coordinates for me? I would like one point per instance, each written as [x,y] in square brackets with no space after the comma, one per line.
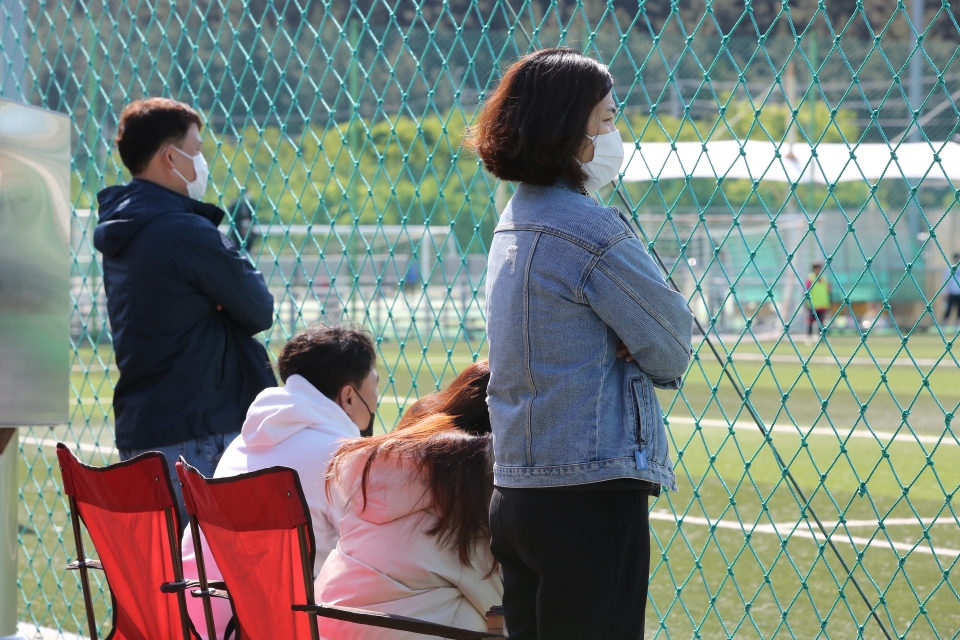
[198,187]
[607,160]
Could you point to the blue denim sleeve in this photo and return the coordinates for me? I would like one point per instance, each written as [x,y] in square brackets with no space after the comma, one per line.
[626,289]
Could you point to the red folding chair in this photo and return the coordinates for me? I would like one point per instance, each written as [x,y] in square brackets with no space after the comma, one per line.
[131,516]
[258,527]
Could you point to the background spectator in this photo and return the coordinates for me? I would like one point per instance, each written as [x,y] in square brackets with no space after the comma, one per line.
[248,235]
[819,289]
[952,288]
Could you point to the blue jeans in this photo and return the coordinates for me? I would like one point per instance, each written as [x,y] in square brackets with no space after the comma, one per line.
[203,453]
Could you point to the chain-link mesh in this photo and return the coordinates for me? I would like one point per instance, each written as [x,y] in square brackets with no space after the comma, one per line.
[333,132]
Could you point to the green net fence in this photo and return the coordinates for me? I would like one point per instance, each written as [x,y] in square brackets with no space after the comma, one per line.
[816,460]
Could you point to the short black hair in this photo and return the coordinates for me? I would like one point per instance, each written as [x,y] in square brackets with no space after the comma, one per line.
[148,125]
[329,357]
[532,128]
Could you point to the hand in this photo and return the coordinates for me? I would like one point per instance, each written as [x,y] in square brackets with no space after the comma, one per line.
[623,352]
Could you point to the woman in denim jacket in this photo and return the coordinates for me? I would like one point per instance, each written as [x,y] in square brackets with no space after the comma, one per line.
[582,328]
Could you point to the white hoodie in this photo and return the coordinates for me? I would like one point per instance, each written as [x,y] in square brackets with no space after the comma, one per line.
[385,561]
[292,426]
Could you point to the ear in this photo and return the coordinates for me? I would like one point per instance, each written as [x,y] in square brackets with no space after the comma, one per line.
[345,396]
[165,155]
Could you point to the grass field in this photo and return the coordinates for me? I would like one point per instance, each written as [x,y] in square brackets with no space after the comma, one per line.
[735,552]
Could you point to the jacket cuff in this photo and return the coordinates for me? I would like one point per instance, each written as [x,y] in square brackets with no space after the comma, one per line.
[670,385]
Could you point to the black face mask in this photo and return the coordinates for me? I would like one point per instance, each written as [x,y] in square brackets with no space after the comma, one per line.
[366,433]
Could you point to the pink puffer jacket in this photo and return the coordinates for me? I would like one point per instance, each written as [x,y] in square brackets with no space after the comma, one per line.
[385,561]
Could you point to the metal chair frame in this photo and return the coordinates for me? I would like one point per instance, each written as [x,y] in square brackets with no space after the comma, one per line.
[83,564]
[314,610]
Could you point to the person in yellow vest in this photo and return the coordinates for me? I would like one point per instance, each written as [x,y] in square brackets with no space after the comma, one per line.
[819,291]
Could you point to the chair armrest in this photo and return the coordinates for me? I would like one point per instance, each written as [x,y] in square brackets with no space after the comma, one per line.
[183,585]
[86,564]
[391,621]
[177,587]
[210,593]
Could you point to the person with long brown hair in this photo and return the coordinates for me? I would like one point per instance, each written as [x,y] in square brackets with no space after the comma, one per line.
[415,539]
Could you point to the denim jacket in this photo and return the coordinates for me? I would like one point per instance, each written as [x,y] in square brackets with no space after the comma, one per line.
[567,281]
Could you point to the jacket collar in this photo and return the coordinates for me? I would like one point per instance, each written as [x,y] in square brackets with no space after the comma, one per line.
[211,212]
[566,185]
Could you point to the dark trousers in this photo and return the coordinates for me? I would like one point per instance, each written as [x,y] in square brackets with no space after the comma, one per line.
[574,564]
[817,316]
[203,453]
[953,302]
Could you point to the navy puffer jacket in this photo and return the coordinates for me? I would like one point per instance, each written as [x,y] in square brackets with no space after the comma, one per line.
[187,369]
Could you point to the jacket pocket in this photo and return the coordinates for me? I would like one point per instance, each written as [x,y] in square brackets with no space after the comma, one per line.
[651,435]
[636,394]
[226,351]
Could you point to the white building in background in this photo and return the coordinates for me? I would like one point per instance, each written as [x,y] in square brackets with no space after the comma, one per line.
[791,163]
[927,163]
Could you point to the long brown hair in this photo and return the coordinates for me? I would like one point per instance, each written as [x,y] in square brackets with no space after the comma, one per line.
[447,436]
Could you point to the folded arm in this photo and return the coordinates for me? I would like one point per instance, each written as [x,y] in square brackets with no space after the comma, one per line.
[218,269]
[626,289]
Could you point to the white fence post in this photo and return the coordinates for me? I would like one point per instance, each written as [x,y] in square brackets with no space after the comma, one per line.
[9,499]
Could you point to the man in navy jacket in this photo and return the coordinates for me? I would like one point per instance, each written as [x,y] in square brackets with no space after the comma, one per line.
[184,305]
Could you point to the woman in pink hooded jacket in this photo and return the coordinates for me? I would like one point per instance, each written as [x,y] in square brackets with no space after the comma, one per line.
[414,539]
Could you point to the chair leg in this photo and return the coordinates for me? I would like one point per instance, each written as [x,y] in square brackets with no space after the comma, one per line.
[314,627]
[84,579]
[177,571]
[202,571]
[308,579]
